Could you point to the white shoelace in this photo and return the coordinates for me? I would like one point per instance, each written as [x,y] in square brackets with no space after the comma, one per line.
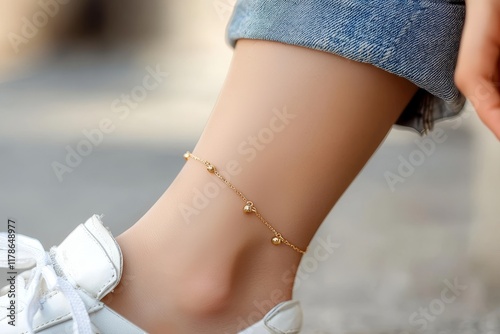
[29,252]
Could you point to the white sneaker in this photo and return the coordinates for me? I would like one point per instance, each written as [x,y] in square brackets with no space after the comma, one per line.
[62,293]
[284,318]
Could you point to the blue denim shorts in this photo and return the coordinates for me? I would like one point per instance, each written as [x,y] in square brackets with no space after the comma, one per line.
[414,39]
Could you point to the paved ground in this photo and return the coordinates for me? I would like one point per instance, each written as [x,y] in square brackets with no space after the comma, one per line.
[401,257]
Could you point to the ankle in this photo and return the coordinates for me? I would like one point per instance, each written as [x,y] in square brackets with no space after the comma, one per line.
[241,286]
[236,282]
[210,300]
[203,294]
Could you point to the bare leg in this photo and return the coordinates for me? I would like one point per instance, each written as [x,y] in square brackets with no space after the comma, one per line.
[204,272]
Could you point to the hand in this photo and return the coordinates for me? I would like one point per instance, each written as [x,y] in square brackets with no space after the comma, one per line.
[478,73]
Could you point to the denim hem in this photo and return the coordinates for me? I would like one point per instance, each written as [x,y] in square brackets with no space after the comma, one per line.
[414,39]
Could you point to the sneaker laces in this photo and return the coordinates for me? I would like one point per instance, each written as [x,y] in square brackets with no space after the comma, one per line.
[29,252]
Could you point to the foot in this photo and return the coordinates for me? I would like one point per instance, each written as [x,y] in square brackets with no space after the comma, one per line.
[215,287]
[63,293]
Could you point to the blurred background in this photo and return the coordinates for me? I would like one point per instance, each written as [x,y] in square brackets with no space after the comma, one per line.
[417,239]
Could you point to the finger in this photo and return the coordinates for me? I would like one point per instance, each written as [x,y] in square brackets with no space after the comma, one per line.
[477,70]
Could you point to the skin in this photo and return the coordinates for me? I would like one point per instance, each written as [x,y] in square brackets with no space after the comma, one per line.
[204,274]
[477,72]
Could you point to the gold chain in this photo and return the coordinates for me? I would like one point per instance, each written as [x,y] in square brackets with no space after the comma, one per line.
[249,207]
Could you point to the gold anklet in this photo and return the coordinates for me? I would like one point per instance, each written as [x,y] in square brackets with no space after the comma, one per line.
[249,207]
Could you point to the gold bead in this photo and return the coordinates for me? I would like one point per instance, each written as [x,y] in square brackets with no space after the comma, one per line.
[248,208]
[276,241]
[186,155]
[211,168]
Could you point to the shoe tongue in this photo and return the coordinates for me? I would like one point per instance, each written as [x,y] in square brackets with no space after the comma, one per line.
[90,259]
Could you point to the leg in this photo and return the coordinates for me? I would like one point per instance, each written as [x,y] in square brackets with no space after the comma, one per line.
[204,272]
